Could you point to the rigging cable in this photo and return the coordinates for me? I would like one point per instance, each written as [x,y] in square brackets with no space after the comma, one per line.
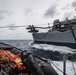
[26,26]
[73,64]
[22,25]
[57,67]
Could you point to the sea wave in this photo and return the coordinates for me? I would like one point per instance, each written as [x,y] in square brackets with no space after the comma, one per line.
[61,49]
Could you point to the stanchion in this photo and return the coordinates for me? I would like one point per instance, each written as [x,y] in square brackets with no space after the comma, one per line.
[65,56]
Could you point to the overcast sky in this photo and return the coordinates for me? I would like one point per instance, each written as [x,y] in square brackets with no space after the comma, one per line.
[28,12]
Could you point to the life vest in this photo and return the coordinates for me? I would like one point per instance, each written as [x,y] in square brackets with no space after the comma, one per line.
[3,56]
[6,55]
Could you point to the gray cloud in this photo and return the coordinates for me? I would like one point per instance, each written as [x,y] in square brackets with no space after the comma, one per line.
[67,14]
[50,12]
[12,26]
[4,13]
[66,7]
[74,3]
[1,17]
[28,11]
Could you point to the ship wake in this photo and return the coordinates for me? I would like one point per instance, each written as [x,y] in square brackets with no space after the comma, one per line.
[61,49]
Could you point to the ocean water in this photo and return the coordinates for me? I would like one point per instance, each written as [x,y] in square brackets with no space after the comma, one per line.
[44,50]
[51,52]
[21,44]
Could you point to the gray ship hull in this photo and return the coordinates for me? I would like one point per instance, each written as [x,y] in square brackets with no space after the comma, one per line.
[55,37]
[62,33]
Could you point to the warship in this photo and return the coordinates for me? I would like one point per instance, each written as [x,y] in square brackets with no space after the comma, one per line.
[62,33]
